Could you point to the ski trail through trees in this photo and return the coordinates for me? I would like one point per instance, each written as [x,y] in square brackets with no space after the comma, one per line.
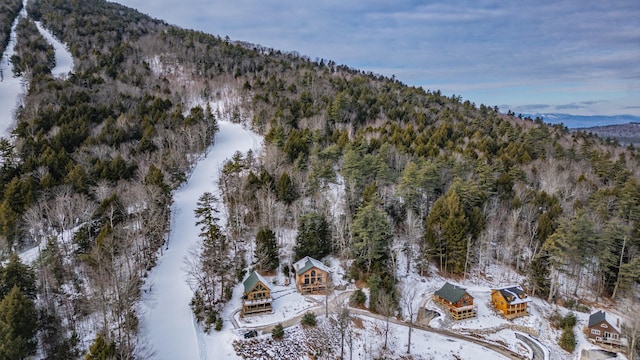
[167,320]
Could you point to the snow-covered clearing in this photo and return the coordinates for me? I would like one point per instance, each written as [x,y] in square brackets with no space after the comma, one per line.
[10,87]
[64,60]
[167,320]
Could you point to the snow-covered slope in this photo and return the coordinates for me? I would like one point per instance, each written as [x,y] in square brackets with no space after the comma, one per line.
[167,320]
[64,60]
[11,88]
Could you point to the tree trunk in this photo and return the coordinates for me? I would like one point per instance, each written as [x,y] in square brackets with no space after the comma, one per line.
[409,341]
[615,288]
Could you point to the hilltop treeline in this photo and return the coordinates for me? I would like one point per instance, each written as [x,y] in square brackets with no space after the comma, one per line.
[430,181]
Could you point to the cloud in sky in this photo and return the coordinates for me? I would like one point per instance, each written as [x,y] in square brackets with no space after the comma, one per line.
[492,52]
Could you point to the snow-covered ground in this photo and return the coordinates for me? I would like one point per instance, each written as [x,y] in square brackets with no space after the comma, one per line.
[168,325]
[167,321]
[64,60]
[11,88]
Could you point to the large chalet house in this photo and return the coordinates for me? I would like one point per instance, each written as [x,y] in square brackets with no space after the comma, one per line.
[511,301]
[457,301]
[601,331]
[257,295]
[312,276]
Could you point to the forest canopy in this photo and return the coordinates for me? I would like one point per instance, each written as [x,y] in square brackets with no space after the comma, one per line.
[438,183]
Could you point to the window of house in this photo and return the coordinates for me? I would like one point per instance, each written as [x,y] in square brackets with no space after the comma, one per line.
[595,331]
[604,326]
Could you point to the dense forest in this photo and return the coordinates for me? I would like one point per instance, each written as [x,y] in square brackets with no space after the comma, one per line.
[433,181]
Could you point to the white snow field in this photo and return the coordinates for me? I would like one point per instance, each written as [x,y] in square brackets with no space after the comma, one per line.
[166,318]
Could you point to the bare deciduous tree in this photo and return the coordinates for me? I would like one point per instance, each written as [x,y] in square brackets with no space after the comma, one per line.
[387,308]
[408,298]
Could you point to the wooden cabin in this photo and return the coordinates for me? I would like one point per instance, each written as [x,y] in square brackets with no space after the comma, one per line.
[312,276]
[602,331]
[511,301]
[257,295]
[457,301]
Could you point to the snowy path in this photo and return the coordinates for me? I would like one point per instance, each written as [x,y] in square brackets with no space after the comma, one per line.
[12,87]
[64,60]
[167,320]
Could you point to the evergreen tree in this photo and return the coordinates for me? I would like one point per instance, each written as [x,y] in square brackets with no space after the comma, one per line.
[568,339]
[266,250]
[213,264]
[419,185]
[372,235]
[539,274]
[18,325]
[101,349]
[446,231]
[286,189]
[278,332]
[314,236]
[15,273]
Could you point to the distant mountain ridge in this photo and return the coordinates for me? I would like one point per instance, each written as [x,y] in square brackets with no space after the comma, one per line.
[586,121]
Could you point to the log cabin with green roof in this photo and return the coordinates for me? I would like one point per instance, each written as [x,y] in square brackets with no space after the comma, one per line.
[257,295]
[312,276]
[457,301]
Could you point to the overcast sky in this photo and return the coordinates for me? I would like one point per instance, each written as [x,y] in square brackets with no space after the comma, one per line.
[579,57]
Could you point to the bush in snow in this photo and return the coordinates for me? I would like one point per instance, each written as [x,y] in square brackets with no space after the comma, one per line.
[278,332]
[358,298]
[309,319]
[568,340]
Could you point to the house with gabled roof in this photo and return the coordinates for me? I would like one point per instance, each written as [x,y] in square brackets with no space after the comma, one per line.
[257,295]
[312,276]
[457,301]
[602,331]
[511,301]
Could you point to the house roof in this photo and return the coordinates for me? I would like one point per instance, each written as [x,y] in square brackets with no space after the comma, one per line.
[252,280]
[514,291]
[598,317]
[451,293]
[306,263]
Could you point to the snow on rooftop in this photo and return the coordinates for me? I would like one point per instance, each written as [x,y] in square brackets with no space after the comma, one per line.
[302,264]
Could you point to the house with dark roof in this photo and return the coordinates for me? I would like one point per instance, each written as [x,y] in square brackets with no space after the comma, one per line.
[602,331]
[257,295]
[312,276]
[457,301]
[511,301]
